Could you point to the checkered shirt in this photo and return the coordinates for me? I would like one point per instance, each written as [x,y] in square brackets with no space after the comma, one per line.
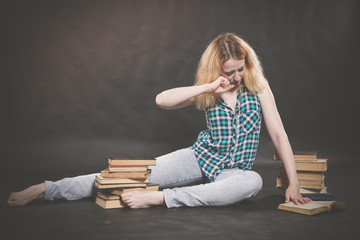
[231,139]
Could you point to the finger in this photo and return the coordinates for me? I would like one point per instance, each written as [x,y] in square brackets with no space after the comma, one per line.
[295,200]
[225,82]
[302,201]
[221,79]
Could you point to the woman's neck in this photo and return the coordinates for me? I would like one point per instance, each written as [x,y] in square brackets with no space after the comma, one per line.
[230,98]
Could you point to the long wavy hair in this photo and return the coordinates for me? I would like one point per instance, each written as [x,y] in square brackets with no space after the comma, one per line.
[221,49]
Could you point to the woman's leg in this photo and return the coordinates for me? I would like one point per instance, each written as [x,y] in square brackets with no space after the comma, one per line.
[176,169]
[68,188]
[231,186]
[73,188]
[179,169]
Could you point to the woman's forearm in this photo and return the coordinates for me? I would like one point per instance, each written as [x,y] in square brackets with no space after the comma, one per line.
[180,97]
[287,157]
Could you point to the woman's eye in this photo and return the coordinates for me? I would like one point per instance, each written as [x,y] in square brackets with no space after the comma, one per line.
[229,73]
[241,69]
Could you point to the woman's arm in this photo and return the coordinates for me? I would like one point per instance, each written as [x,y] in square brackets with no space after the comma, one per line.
[184,96]
[279,137]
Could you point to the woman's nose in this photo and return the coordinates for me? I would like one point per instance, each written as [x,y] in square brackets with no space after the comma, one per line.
[237,76]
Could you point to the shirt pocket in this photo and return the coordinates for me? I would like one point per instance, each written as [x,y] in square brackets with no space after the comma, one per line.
[249,121]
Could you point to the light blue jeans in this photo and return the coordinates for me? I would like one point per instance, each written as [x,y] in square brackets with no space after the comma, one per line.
[179,176]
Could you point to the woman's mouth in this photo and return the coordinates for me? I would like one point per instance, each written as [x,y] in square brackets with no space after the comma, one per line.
[234,82]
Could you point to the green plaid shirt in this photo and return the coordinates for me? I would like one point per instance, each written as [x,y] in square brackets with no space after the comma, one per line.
[231,139]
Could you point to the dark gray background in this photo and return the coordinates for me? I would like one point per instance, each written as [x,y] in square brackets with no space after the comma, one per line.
[79,78]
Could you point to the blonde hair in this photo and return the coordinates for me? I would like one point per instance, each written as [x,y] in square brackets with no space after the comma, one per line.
[221,49]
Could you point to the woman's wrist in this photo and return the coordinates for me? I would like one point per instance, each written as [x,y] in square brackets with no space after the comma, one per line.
[207,88]
[294,184]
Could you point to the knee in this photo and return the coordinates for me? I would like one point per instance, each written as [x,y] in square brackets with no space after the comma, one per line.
[256,182]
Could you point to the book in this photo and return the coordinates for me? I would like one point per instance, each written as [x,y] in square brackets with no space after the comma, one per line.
[304,174]
[149,187]
[108,195]
[131,162]
[301,156]
[314,180]
[313,207]
[108,201]
[320,165]
[107,174]
[122,175]
[309,190]
[115,169]
[118,185]
[103,180]
[318,196]
[303,183]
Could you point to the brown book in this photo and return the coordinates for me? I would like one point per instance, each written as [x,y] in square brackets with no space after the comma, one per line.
[108,195]
[303,183]
[106,174]
[131,162]
[102,180]
[118,185]
[313,207]
[108,201]
[115,169]
[149,187]
[311,175]
[307,182]
[301,156]
[310,190]
[319,165]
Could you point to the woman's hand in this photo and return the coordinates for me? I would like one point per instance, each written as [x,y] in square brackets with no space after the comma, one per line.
[220,85]
[292,193]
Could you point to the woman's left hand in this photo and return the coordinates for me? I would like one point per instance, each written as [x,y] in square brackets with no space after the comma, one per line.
[293,194]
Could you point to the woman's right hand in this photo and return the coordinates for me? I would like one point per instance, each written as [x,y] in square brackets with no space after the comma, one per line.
[220,85]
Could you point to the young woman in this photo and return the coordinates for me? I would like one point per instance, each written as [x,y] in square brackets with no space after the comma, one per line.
[216,170]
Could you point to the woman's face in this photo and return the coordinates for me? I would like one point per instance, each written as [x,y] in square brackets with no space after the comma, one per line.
[233,70]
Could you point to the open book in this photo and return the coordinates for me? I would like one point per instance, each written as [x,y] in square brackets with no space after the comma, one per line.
[313,207]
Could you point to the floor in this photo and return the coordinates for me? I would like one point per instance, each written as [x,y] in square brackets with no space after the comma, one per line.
[257,218]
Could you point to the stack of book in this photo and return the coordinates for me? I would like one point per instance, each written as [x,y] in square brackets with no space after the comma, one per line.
[123,175]
[310,171]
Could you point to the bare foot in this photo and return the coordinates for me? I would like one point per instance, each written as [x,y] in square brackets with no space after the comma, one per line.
[143,199]
[35,192]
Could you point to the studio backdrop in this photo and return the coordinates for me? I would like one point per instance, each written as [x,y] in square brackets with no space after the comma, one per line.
[79,78]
